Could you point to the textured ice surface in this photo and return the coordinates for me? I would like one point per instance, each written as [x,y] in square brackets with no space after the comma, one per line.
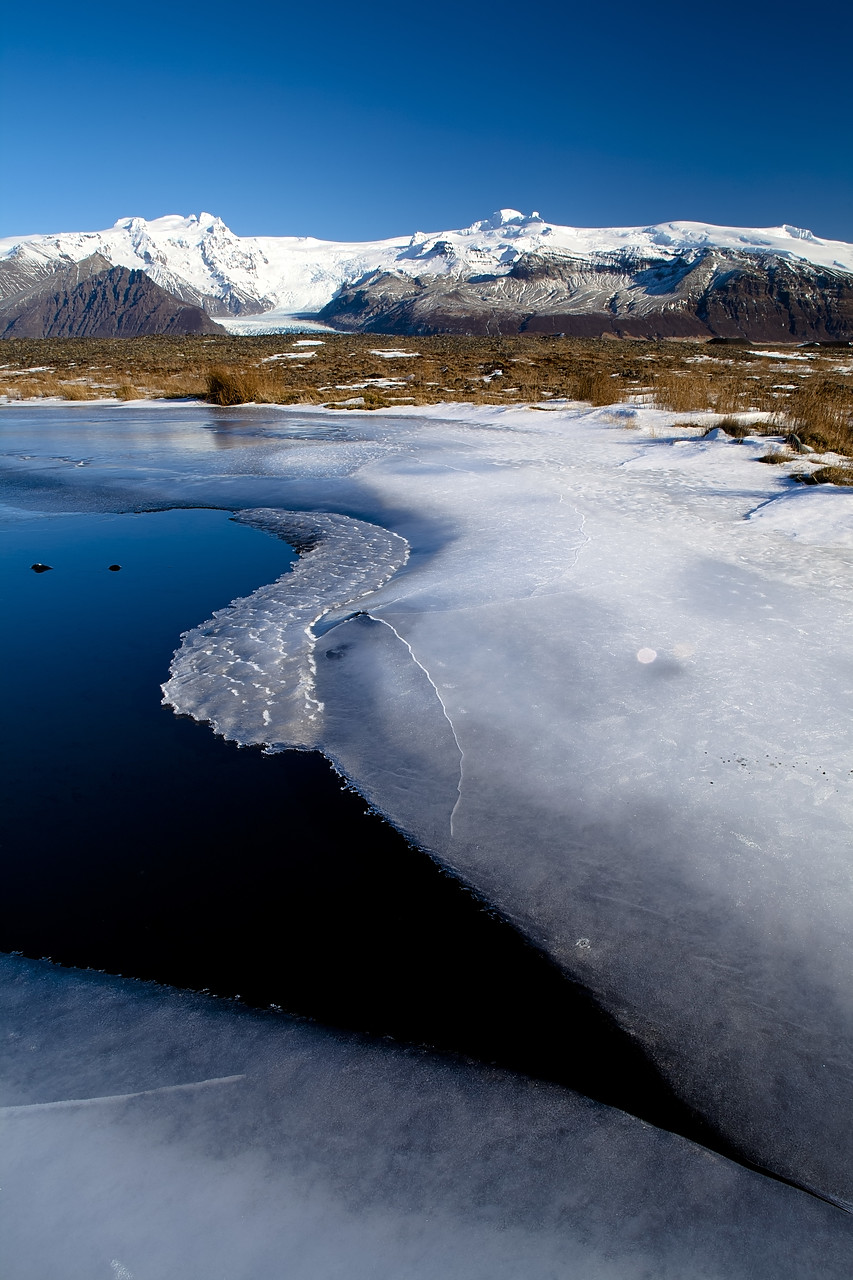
[152,1134]
[250,669]
[675,832]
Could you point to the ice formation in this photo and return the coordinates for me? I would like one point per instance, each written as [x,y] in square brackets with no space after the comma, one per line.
[153,1134]
[250,670]
[610,687]
[689,816]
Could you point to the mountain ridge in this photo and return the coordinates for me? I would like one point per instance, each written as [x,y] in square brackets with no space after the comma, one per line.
[92,299]
[511,272]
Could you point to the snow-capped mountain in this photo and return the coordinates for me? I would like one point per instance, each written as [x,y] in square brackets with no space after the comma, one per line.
[255,282]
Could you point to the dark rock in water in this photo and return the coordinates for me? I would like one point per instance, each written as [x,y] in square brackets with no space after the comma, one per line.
[114,568]
[91,299]
[40,568]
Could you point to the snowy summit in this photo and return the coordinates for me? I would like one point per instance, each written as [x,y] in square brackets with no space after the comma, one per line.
[202,262]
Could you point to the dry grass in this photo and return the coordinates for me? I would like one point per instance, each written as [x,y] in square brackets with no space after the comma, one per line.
[227,385]
[735,428]
[813,397]
[828,475]
[821,413]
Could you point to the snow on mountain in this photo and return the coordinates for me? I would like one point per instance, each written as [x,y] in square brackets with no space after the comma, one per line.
[259,281]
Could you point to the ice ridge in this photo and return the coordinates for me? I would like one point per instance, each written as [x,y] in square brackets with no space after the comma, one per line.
[249,670]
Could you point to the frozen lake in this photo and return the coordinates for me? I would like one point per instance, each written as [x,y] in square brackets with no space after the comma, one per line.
[597,668]
[139,843]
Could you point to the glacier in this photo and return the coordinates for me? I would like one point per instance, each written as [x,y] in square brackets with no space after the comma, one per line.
[261,283]
[598,665]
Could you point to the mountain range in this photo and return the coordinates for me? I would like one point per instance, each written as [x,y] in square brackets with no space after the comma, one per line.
[94,299]
[511,273]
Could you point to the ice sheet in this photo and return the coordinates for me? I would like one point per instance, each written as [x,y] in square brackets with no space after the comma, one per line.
[674,832]
[151,1134]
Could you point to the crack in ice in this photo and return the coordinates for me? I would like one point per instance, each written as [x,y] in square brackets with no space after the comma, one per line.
[67,1103]
[441,702]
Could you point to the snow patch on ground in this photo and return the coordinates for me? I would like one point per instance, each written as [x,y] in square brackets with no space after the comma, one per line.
[821,516]
[393,355]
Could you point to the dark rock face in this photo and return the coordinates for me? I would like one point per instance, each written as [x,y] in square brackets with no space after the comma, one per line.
[26,269]
[23,281]
[21,272]
[716,293]
[91,299]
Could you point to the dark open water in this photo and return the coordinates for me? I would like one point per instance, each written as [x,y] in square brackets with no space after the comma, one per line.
[139,843]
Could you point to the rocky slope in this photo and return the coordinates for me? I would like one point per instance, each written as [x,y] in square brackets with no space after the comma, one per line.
[508,273]
[714,293]
[92,299]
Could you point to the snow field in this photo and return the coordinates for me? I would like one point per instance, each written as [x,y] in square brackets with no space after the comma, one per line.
[284,276]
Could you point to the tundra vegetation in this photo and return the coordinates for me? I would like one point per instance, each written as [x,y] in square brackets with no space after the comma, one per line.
[805,392]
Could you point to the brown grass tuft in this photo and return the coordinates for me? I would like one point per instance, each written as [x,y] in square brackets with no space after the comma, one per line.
[733,427]
[821,412]
[229,386]
[595,386]
[831,475]
[683,390]
[80,391]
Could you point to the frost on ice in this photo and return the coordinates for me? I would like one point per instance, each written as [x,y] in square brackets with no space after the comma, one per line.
[610,688]
[620,710]
[250,669]
[152,1134]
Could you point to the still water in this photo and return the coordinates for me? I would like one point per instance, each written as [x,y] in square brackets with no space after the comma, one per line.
[137,842]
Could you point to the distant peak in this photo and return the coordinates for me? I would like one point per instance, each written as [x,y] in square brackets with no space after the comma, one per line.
[798,233]
[509,219]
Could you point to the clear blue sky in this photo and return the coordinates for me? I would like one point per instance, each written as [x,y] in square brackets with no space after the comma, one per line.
[360,120]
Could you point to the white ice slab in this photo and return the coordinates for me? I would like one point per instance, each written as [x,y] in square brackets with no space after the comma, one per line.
[675,832]
[149,1134]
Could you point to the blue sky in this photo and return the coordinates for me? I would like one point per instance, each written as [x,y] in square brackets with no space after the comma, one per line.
[347,120]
